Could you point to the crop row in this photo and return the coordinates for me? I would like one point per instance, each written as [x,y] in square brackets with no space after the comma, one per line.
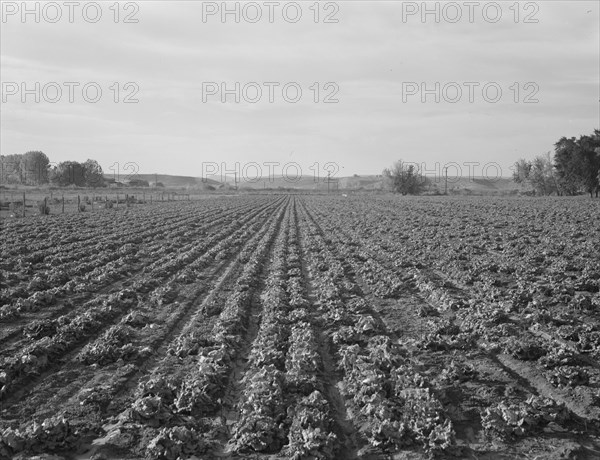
[391,405]
[62,334]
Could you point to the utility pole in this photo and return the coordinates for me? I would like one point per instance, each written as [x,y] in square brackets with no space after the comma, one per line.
[446,187]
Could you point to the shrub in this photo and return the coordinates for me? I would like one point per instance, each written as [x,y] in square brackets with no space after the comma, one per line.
[82,207]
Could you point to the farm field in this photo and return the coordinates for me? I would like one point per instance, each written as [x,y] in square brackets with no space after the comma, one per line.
[304,326]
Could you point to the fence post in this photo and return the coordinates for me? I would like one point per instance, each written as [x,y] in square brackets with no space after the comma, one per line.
[63,203]
[45,205]
[150,199]
[23,204]
[78,203]
[117,204]
[92,202]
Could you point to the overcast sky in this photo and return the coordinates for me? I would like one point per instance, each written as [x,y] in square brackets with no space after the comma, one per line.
[375,58]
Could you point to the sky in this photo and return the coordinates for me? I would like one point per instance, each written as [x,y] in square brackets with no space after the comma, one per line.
[345,87]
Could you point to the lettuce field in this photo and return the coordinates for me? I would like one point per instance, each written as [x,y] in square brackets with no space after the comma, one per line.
[303,327]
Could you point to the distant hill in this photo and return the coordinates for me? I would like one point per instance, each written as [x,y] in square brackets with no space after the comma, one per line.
[477,185]
[456,185]
[311,183]
[357,182]
[304,183]
[172,181]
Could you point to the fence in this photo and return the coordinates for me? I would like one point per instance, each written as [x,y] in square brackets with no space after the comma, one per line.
[23,204]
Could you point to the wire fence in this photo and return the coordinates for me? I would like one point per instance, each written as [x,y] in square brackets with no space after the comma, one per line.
[24,204]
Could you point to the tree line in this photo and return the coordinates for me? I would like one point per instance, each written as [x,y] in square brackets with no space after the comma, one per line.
[574,168]
[34,168]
